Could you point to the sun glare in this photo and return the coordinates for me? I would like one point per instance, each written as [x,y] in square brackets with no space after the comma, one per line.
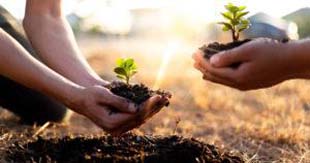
[169,51]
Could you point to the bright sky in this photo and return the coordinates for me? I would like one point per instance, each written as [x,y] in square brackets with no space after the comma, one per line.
[202,8]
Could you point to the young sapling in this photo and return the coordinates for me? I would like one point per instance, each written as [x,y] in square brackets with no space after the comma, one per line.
[126,68]
[236,22]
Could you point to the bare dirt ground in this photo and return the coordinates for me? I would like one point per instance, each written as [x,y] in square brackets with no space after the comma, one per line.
[270,125]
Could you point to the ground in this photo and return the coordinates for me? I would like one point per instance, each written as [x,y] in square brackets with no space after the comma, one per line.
[270,125]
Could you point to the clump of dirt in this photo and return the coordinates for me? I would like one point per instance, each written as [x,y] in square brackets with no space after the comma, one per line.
[138,93]
[215,47]
[128,148]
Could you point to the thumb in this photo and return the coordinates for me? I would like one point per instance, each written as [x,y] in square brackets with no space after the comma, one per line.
[122,104]
[227,58]
[117,102]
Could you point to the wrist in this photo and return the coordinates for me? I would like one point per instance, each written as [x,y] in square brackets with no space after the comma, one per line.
[299,58]
[71,95]
[92,80]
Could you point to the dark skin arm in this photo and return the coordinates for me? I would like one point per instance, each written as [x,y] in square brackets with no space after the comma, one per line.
[264,63]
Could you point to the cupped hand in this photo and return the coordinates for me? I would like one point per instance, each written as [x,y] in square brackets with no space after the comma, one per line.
[262,63]
[112,113]
[146,110]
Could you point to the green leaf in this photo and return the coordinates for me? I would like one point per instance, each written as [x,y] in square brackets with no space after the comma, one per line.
[242,29]
[134,66]
[234,22]
[121,77]
[241,8]
[229,6]
[125,69]
[232,8]
[227,25]
[245,22]
[241,14]
[129,62]
[120,71]
[224,28]
[133,73]
[227,15]
[120,62]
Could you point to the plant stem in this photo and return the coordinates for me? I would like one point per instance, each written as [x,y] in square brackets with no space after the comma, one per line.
[127,80]
[235,35]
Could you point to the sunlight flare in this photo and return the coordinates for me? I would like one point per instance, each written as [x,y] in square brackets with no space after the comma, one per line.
[168,53]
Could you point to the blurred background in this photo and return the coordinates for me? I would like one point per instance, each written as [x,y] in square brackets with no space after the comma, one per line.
[161,35]
[190,19]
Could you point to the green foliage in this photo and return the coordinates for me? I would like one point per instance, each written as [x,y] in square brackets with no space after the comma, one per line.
[126,68]
[236,22]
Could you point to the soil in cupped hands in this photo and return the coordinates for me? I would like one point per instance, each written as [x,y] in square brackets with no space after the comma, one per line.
[216,47]
[138,93]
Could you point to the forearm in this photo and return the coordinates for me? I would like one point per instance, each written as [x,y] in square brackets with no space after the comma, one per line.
[18,65]
[53,40]
[299,57]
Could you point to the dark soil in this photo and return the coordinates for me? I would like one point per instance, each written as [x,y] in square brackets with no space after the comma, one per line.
[215,47]
[138,93]
[128,148]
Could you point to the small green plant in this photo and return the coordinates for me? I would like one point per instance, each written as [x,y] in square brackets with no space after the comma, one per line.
[126,68]
[236,22]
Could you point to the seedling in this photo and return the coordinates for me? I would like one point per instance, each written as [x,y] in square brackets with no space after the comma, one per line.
[236,22]
[126,68]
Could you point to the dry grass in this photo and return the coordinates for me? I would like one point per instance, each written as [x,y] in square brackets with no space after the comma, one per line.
[271,125]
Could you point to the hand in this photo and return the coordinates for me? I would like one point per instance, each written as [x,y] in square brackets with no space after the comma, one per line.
[99,81]
[146,110]
[262,63]
[99,105]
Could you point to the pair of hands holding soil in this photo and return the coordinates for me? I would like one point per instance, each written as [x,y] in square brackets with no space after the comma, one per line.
[113,113]
[251,63]
[256,64]
[121,106]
